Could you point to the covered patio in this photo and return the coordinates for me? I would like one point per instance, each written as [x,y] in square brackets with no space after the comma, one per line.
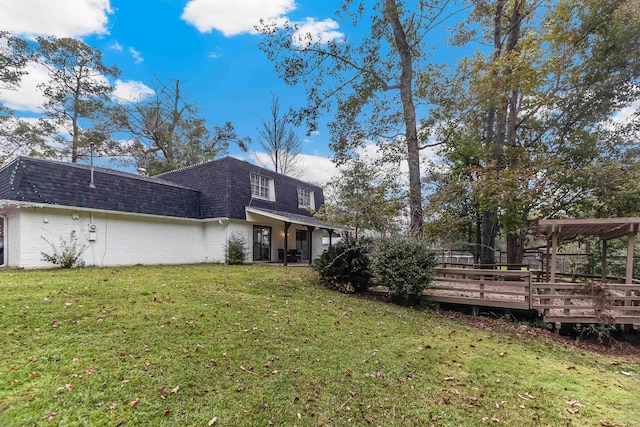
[605,228]
[286,224]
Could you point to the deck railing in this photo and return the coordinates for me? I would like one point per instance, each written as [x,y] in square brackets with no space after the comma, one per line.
[495,288]
[579,303]
[566,302]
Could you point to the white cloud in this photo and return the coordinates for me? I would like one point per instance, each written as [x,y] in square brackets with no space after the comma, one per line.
[623,115]
[315,169]
[311,31]
[62,18]
[115,46]
[136,55]
[233,17]
[131,91]
[27,97]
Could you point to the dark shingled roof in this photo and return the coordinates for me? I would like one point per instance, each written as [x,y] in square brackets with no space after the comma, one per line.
[27,179]
[226,188]
[220,188]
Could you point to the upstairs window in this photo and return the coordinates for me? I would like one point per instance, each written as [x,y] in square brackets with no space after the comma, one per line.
[262,187]
[305,198]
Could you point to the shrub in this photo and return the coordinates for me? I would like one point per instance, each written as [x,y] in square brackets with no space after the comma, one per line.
[345,266]
[236,249]
[69,253]
[406,265]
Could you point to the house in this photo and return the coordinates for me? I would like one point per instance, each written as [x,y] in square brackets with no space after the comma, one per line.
[184,216]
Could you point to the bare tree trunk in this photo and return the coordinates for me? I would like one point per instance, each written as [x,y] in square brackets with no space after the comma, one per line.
[489,217]
[515,238]
[409,113]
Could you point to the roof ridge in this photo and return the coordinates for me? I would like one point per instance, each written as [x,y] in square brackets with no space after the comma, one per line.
[105,170]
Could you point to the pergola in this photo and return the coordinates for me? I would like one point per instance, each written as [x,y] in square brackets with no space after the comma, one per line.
[605,228]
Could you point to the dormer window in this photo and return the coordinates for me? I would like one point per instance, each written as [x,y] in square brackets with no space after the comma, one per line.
[305,199]
[262,187]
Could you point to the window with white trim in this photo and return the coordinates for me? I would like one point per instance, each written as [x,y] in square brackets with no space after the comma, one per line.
[305,198]
[261,187]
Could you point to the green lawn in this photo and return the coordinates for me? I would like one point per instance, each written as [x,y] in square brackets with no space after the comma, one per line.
[266,345]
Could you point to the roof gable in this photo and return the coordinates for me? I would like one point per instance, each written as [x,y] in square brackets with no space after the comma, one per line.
[227,181]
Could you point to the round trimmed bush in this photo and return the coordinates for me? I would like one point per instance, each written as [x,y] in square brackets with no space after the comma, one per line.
[345,266]
[406,265]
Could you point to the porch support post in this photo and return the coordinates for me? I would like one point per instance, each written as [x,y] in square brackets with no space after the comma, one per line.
[547,269]
[330,230]
[605,244]
[630,244]
[310,242]
[286,241]
[554,252]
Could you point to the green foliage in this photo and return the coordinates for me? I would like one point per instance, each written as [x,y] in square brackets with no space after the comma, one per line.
[77,95]
[67,255]
[406,265]
[364,196]
[601,332]
[345,266]
[236,249]
[367,83]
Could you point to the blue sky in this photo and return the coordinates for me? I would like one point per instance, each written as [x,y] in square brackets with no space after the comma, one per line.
[210,45]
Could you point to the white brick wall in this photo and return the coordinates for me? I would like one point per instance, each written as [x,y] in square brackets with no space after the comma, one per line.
[126,239]
[120,239]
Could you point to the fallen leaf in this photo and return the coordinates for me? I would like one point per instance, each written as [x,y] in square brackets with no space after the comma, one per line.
[213,421]
[55,324]
[495,420]
[112,406]
[175,389]
[572,411]
[502,353]
[628,374]
[50,415]
[166,413]
[446,399]
[135,402]
[449,378]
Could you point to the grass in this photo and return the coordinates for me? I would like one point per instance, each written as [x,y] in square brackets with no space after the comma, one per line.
[266,345]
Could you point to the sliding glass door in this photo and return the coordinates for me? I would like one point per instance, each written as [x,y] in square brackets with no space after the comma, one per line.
[261,243]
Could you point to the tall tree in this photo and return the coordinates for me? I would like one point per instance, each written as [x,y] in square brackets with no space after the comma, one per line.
[364,196]
[369,83]
[16,135]
[77,94]
[535,109]
[279,140]
[167,131]
[13,60]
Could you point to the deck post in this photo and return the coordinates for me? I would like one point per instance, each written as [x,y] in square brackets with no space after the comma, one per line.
[605,244]
[554,252]
[630,244]
[629,276]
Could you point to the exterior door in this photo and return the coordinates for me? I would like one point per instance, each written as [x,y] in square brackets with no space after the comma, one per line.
[261,243]
[302,243]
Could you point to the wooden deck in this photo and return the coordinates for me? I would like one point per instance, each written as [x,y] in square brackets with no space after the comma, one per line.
[558,303]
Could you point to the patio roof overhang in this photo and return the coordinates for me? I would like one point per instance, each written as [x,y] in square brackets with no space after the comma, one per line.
[288,219]
[605,228]
[308,221]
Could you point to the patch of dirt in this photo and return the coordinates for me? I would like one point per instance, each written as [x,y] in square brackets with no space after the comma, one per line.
[614,348]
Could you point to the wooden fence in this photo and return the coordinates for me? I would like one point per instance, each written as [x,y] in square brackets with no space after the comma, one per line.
[564,302]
